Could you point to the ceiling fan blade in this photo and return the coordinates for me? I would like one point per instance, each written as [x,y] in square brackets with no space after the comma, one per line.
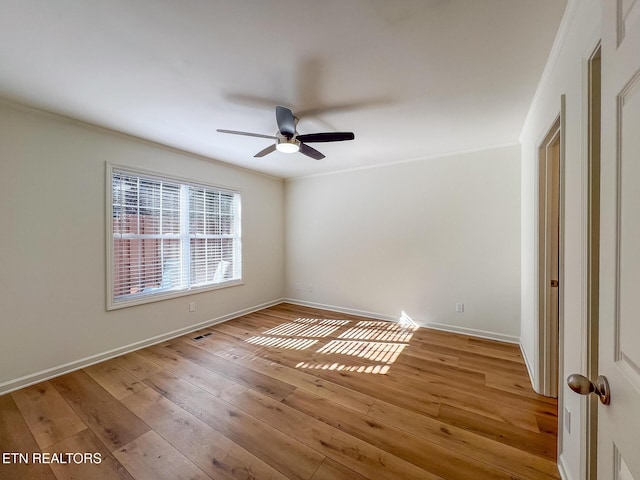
[326,137]
[246,134]
[311,152]
[266,151]
[286,122]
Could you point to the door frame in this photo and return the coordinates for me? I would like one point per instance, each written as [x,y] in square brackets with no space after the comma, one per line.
[591,258]
[550,336]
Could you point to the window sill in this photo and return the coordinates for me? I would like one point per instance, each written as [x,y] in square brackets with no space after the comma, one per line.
[116,305]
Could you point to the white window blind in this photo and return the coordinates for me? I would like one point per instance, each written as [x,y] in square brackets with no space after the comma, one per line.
[170,237]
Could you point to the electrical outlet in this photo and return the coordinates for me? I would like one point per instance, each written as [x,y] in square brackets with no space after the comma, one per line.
[567,419]
[192,306]
[459,307]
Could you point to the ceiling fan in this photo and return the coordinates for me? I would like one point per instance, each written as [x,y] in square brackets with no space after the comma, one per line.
[288,140]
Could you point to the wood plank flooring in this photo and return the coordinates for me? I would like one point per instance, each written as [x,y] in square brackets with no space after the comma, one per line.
[291,392]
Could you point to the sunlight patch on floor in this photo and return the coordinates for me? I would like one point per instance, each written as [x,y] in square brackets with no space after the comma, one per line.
[393,333]
[291,343]
[376,369]
[376,344]
[374,351]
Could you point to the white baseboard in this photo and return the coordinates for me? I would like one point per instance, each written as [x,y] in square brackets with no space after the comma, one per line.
[49,373]
[500,337]
[31,379]
[350,311]
[436,326]
[562,469]
[529,366]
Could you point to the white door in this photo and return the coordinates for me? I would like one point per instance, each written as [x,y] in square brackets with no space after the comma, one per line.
[619,422]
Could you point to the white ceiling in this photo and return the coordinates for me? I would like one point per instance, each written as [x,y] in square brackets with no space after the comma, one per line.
[411,78]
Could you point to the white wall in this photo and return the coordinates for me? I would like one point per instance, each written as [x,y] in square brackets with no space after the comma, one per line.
[415,237]
[52,246]
[566,74]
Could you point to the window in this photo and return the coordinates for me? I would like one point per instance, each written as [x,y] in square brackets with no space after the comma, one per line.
[169,237]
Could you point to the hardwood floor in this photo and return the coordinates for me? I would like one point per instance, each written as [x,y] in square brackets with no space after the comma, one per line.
[290,392]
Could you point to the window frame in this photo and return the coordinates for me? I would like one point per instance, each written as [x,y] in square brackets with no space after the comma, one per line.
[111,302]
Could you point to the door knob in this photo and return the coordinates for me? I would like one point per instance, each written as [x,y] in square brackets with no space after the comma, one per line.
[582,385]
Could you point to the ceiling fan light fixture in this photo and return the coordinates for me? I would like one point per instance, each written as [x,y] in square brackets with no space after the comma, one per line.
[288,146]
